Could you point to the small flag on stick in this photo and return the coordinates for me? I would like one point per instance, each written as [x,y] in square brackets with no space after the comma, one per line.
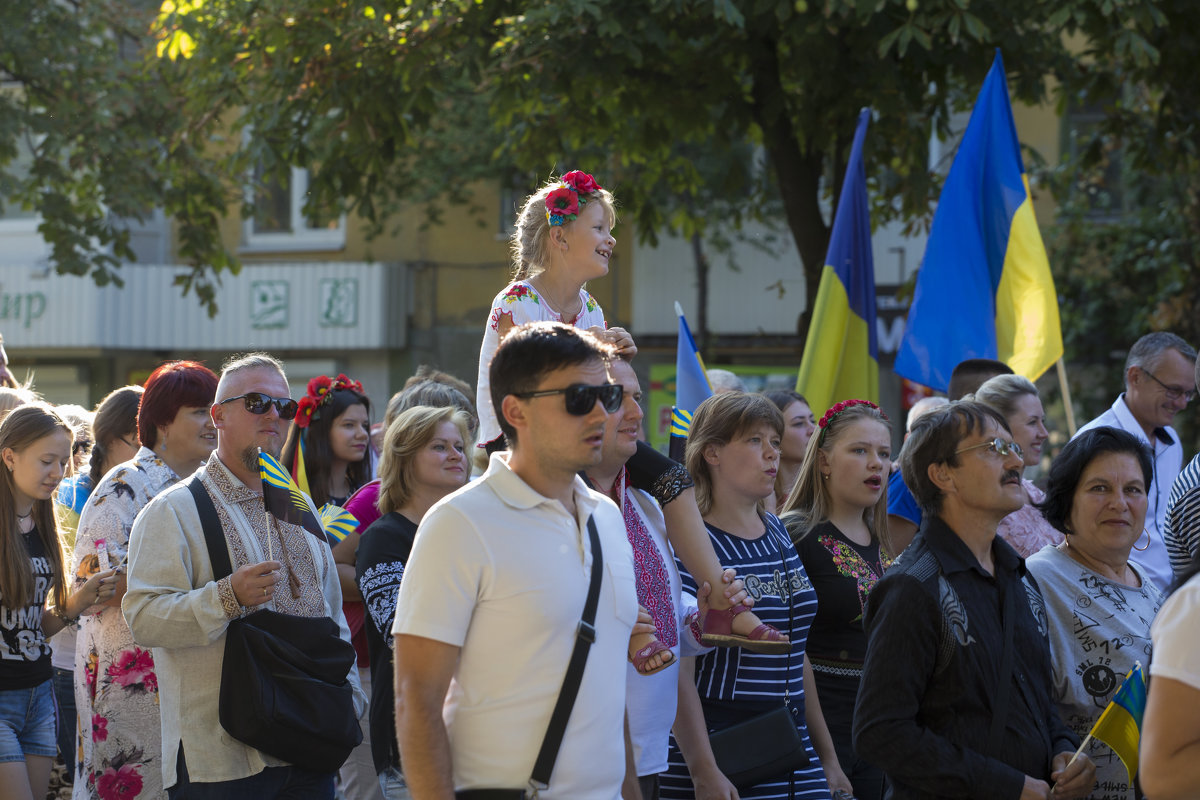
[691,386]
[1120,725]
[337,521]
[284,499]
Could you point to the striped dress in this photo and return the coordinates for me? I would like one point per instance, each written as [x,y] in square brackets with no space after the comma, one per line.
[735,674]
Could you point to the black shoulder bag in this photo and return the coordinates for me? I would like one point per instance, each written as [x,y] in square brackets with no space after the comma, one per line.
[585,635]
[768,746]
[283,682]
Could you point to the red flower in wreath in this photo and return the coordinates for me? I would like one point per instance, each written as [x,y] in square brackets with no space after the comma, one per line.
[842,406]
[563,202]
[581,182]
[305,410]
[319,385]
[343,383]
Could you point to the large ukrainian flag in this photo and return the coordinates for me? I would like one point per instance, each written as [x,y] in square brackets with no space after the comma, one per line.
[984,289]
[841,355]
[691,386]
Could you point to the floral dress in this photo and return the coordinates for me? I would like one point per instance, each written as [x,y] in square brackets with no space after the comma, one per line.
[116,690]
[521,303]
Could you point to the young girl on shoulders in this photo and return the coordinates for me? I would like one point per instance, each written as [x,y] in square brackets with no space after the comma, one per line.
[563,240]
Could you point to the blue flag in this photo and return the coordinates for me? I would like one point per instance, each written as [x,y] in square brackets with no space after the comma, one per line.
[984,289]
[691,386]
[841,354]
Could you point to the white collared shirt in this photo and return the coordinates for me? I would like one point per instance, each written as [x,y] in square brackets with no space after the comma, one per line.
[1167,462]
[502,572]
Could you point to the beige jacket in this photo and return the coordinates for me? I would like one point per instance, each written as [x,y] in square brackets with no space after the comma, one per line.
[174,606]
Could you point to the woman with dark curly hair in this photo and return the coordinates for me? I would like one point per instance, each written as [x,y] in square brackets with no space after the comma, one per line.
[1099,604]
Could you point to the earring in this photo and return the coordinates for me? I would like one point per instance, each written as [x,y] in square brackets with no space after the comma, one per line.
[825,475]
[1147,547]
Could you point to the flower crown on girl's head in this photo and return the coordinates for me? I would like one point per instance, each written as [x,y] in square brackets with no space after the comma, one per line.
[320,389]
[838,408]
[565,199]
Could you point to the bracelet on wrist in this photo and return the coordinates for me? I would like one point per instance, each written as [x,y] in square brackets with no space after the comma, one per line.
[63,617]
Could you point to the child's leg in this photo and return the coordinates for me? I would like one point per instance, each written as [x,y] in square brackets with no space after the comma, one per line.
[689,539]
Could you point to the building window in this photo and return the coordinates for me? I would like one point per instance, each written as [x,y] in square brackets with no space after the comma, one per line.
[279,222]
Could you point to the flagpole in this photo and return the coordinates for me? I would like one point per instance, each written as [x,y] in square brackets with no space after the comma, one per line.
[1068,406]
[265,511]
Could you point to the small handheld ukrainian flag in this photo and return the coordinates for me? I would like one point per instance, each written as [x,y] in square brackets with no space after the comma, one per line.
[337,521]
[691,386]
[283,497]
[1120,726]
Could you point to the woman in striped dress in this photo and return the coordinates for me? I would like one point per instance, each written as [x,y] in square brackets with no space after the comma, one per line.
[733,456]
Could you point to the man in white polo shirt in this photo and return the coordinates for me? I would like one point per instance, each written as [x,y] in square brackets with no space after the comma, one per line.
[495,586]
[1159,383]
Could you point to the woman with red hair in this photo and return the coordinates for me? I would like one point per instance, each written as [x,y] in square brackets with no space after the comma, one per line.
[116,690]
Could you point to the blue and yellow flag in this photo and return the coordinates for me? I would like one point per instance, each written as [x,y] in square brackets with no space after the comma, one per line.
[691,386]
[337,522]
[984,289]
[284,499]
[841,354]
[1120,726]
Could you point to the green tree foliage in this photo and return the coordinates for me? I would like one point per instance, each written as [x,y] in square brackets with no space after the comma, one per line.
[91,140]
[384,102]
[408,101]
[1124,248]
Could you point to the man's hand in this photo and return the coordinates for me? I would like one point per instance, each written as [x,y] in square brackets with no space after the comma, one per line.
[1074,781]
[1035,789]
[254,584]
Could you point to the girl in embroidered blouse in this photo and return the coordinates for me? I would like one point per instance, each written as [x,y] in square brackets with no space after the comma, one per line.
[35,446]
[1018,400]
[562,240]
[837,517]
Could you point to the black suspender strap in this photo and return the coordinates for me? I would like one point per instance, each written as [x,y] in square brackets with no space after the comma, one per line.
[584,636]
[214,538]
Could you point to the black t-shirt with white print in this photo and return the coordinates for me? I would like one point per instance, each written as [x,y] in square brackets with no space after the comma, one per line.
[24,653]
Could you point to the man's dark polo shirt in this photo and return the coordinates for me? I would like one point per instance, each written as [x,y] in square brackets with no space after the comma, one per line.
[923,717]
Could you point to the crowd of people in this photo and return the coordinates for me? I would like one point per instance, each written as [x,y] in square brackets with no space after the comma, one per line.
[530,601]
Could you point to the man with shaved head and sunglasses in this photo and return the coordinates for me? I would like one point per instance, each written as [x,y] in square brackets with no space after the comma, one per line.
[175,605]
[956,697]
[492,596]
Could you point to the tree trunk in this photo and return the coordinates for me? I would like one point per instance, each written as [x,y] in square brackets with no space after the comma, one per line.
[798,172]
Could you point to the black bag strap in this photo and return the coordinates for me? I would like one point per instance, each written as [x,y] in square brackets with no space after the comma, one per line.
[1004,689]
[214,538]
[585,635]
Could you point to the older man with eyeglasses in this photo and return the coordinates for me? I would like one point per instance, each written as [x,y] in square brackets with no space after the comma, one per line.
[1159,383]
[956,700]
[179,607]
